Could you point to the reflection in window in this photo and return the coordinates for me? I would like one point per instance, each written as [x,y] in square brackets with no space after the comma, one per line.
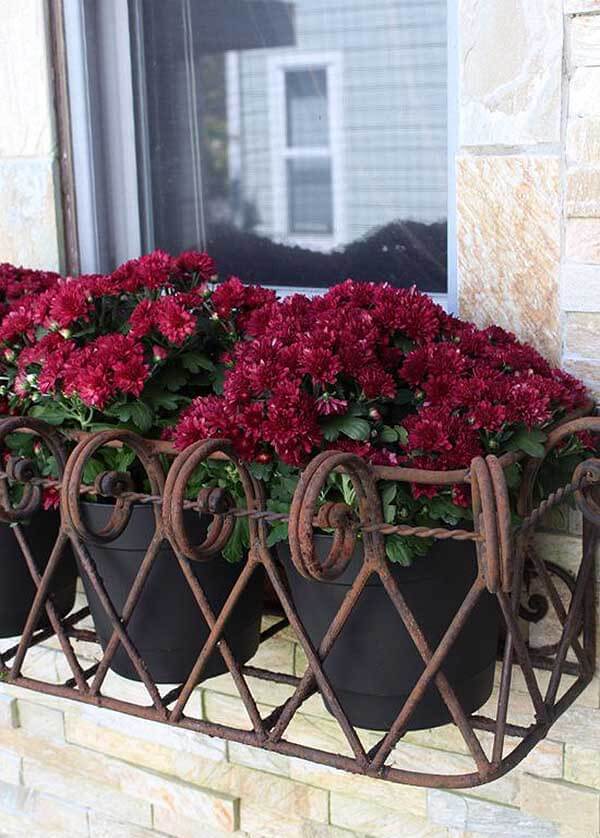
[302,142]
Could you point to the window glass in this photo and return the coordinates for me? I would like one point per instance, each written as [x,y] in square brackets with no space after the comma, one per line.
[307,108]
[302,142]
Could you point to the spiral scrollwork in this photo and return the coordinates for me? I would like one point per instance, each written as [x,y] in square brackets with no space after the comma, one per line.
[22,470]
[212,501]
[338,517]
[113,484]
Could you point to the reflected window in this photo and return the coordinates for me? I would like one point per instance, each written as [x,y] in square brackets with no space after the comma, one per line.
[301,141]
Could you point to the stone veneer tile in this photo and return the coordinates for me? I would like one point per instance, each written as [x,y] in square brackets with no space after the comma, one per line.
[582,766]
[511,63]
[584,92]
[26,119]
[583,192]
[583,334]
[29,219]
[583,140]
[509,245]
[561,802]
[375,820]
[583,240]
[585,41]
[451,810]
[587,371]
[580,287]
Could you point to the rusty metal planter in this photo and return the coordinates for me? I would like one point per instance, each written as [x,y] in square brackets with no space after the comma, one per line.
[505,564]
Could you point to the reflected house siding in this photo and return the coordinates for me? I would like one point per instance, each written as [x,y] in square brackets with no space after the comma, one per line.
[393,105]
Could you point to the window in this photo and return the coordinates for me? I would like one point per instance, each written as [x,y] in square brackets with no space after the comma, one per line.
[306,150]
[300,141]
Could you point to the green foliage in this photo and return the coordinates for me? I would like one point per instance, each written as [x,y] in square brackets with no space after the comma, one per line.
[351,426]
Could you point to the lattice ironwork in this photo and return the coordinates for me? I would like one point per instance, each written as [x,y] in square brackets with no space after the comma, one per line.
[505,563]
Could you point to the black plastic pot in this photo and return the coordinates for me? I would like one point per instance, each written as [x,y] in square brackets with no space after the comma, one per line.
[17,589]
[167,627]
[374,664]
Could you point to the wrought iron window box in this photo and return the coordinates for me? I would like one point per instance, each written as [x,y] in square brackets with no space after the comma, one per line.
[504,565]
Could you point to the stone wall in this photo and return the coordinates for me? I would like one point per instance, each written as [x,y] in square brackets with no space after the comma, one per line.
[30,217]
[529,174]
[529,224]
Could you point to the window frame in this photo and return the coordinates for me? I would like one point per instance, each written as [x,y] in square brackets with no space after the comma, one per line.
[278,65]
[126,205]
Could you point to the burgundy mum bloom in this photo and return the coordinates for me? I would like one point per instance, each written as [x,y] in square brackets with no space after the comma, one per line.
[173,320]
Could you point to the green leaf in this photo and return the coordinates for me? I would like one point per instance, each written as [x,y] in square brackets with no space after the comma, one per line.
[531,442]
[51,412]
[350,426]
[91,471]
[397,549]
[388,493]
[388,434]
[141,416]
[402,435]
[194,362]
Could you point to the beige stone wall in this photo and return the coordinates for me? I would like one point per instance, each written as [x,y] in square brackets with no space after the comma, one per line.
[529,174]
[30,219]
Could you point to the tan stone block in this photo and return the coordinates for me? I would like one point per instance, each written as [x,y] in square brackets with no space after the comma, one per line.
[580,288]
[461,813]
[38,720]
[264,692]
[40,813]
[29,216]
[509,245]
[583,240]
[511,58]
[258,759]
[87,789]
[26,117]
[583,335]
[58,816]
[583,192]
[587,371]
[584,90]
[261,822]
[10,768]
[228,710]
[582,766]
[379,821]
[427,760]
[401,798]
[179,825]
[9,717]
[277,654]
[102,826]
[585,41]
[562,803]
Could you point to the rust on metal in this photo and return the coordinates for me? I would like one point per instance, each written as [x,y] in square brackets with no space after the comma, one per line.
[507,563]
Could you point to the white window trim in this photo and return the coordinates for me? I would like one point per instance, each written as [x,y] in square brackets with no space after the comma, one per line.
[278,65]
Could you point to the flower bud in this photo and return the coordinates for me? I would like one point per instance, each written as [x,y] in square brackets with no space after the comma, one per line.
[35,397]
[375,414]
[9,354]
[65,333]
[159,353]
[263,457]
